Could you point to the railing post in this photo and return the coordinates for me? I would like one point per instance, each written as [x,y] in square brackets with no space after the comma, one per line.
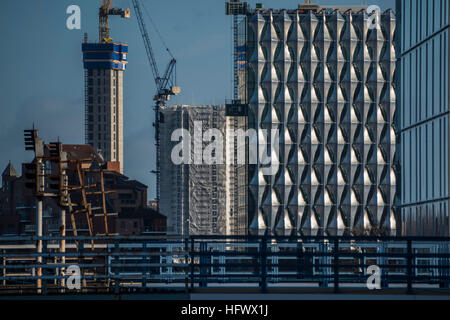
[191,264]
[323,259]
[300,260]
[186,259]
[4,267]
[409,255]
[144,267]
[383,249]
[44,261]
[444,265]
[203,260]
[336,265]
[263,264]
[82,260]
[117,271]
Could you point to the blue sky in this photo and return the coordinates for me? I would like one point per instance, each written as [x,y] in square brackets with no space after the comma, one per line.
[42,72]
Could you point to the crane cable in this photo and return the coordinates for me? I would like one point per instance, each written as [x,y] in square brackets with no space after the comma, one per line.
[156,29]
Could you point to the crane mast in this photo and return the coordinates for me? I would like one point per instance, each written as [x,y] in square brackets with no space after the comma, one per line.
[165,88]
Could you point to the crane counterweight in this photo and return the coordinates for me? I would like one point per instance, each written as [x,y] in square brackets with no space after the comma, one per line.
[103,18]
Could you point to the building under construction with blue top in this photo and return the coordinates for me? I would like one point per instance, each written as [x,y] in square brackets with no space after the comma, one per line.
[104,64]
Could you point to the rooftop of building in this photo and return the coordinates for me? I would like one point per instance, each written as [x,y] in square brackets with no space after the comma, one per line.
[81,151]
[305,8]
[10,171]
[125,183]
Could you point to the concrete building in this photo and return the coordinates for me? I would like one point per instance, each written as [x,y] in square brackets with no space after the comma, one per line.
[196,196]
[104,64]
[324,79]
[424,108]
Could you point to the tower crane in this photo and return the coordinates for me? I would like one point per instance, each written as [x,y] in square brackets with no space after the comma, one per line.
[165,88]
[105,11]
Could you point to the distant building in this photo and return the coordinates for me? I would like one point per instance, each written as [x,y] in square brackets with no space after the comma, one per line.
[129,201]
[423,80]
[196,197]
[18,206]
[104,64]
[14,204]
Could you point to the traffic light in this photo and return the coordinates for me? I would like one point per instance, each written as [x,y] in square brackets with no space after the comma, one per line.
[30,138]
[30,175]
[54,179]
[54,149]
[35,180]
[33,142]
[49,164]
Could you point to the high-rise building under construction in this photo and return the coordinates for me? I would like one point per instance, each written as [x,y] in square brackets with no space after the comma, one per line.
[324,79]
[104,64]
[196,195]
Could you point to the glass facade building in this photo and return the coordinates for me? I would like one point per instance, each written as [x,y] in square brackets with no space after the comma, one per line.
[424,120]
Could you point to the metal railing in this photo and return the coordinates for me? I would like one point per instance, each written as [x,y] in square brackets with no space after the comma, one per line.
[117,264]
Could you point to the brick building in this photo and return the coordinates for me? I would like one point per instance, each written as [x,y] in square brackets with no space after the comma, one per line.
[129,201]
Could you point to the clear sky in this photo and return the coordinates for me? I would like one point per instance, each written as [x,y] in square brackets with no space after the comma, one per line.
[42,72]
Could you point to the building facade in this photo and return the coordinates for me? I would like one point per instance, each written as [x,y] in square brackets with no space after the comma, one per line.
[323,79]
[104,64]
[424,107]
[196,196]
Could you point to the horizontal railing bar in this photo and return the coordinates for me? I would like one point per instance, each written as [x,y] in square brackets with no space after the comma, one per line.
[246,238]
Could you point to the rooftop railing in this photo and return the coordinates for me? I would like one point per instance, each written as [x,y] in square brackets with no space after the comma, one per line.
[149,263]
